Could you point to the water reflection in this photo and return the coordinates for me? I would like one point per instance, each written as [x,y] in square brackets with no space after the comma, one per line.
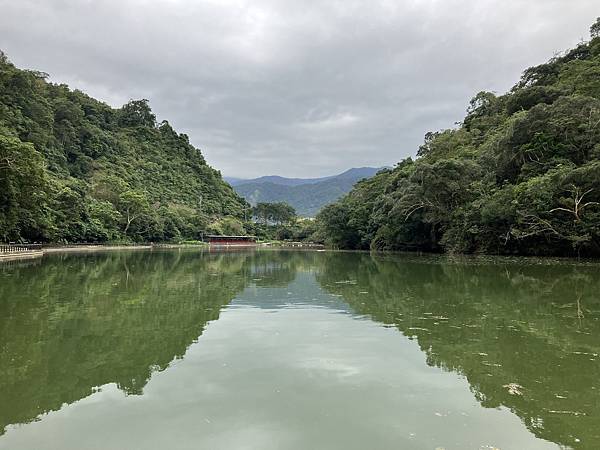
[75,322]
[523,334]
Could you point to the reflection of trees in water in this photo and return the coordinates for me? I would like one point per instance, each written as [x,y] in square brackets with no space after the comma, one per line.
[80,321]
[74,322]
[69,323]
[498,324]
[279,268]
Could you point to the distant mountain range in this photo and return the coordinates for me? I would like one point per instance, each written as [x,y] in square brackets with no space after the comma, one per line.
[306,195]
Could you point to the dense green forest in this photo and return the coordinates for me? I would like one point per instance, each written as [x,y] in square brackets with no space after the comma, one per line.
[73,169]
[519,175]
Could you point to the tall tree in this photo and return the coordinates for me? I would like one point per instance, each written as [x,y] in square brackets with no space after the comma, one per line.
[137,113]
[595,29]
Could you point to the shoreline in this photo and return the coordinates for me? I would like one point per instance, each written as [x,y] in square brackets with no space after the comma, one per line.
[79,249]
[24,255]
[93,248]
[423,256]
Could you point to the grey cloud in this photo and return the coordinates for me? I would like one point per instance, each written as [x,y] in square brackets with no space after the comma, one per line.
[294,88]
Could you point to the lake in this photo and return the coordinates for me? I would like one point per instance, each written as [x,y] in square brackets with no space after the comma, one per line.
[182,349]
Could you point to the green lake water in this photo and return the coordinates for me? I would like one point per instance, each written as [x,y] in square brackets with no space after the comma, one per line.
[179,349]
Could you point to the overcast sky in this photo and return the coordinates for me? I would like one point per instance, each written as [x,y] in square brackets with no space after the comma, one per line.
[295,88]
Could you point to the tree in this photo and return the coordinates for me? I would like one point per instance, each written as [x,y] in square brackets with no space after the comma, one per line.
[575,205]
[229,226]
[595,29]
[137,113]
[282,213]
[276,213]
[262,212]
[23,190]
[103,221]
[133,205]
[336,228]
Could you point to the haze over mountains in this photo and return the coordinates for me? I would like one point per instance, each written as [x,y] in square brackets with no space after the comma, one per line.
[306,195]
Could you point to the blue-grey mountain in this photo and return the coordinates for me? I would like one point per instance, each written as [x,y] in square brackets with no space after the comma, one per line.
[306,195]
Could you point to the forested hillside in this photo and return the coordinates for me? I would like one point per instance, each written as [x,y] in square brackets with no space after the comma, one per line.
[520,175]
[74,169]
[307,196]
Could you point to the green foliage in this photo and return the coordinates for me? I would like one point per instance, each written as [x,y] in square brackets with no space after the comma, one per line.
[227,226]
[22,188]
[137,113]
[275,213]
[277,221]
[296,230]
[73,169]
[595,29]
[347,223]
[520,175]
